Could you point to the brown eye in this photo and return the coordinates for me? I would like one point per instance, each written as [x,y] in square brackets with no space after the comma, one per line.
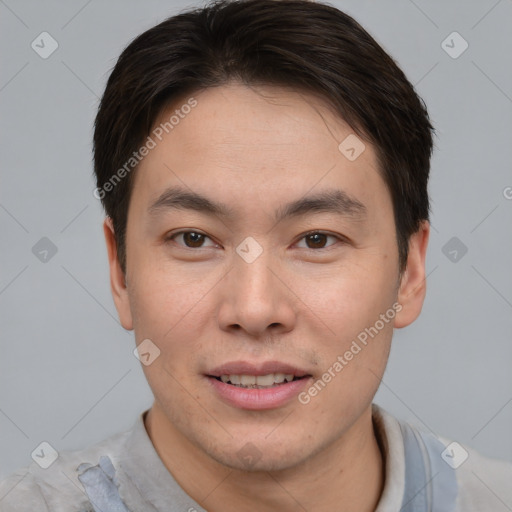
[318,240]
[190,239]
[193,239]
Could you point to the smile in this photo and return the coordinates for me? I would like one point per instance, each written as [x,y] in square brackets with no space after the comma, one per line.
[267,385]
[258,381]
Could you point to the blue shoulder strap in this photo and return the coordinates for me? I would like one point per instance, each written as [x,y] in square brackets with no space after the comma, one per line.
[430,483]
[101,486]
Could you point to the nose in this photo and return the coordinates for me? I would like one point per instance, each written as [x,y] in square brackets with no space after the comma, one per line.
[257,298]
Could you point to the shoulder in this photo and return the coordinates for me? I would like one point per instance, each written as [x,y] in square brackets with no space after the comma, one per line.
[421,463]
[484,483]
[56,488]
[53,489]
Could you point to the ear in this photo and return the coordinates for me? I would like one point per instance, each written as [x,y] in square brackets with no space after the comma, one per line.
[413,284]
[117,277]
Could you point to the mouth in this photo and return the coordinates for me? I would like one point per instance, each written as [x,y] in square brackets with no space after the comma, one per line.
[267,381]
[257,386]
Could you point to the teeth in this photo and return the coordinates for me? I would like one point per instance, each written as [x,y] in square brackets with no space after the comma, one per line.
[260,381]
[278,378]
[247,380]
[265,380]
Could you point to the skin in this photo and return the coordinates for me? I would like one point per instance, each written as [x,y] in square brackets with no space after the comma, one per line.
[256,149]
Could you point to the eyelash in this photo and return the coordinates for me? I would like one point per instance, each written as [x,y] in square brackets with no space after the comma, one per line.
[305,235]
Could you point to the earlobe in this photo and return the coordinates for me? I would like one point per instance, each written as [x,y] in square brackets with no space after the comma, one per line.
[413,285]
[117,277]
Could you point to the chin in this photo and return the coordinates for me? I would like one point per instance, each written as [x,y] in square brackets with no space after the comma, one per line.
[260,455]
[267,462]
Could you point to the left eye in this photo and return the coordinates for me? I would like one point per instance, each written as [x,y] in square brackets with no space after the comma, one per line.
[317,240]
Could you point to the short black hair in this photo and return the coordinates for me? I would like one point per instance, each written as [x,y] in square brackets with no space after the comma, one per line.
[299,44]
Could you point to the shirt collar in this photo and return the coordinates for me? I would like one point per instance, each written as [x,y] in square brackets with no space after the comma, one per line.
[389,436]
[146,471]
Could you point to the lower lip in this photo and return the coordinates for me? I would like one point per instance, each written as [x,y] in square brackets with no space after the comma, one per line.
[258,399]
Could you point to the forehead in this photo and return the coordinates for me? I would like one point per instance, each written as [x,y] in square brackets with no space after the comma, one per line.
[246,143]
[263,119]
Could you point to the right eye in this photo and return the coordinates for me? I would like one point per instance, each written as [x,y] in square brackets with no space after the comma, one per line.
[190,239]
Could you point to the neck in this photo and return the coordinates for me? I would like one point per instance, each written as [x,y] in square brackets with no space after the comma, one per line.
[346,475]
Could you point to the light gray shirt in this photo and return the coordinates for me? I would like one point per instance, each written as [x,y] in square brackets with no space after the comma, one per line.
[124,473]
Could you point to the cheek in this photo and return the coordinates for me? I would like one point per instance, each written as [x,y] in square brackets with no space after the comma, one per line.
[351,377]
[171,307]
[355,348]
[164,298]
[346,300]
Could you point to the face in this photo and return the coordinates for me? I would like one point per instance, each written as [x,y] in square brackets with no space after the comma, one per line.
[262,262]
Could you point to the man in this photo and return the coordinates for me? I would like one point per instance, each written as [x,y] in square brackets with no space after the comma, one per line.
[264,165]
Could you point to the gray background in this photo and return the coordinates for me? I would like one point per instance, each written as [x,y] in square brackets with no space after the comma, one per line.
[67,372]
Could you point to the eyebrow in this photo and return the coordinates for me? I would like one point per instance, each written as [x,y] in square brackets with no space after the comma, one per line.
[334,201]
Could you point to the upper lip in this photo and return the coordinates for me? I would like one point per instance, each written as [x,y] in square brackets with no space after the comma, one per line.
[264,368]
